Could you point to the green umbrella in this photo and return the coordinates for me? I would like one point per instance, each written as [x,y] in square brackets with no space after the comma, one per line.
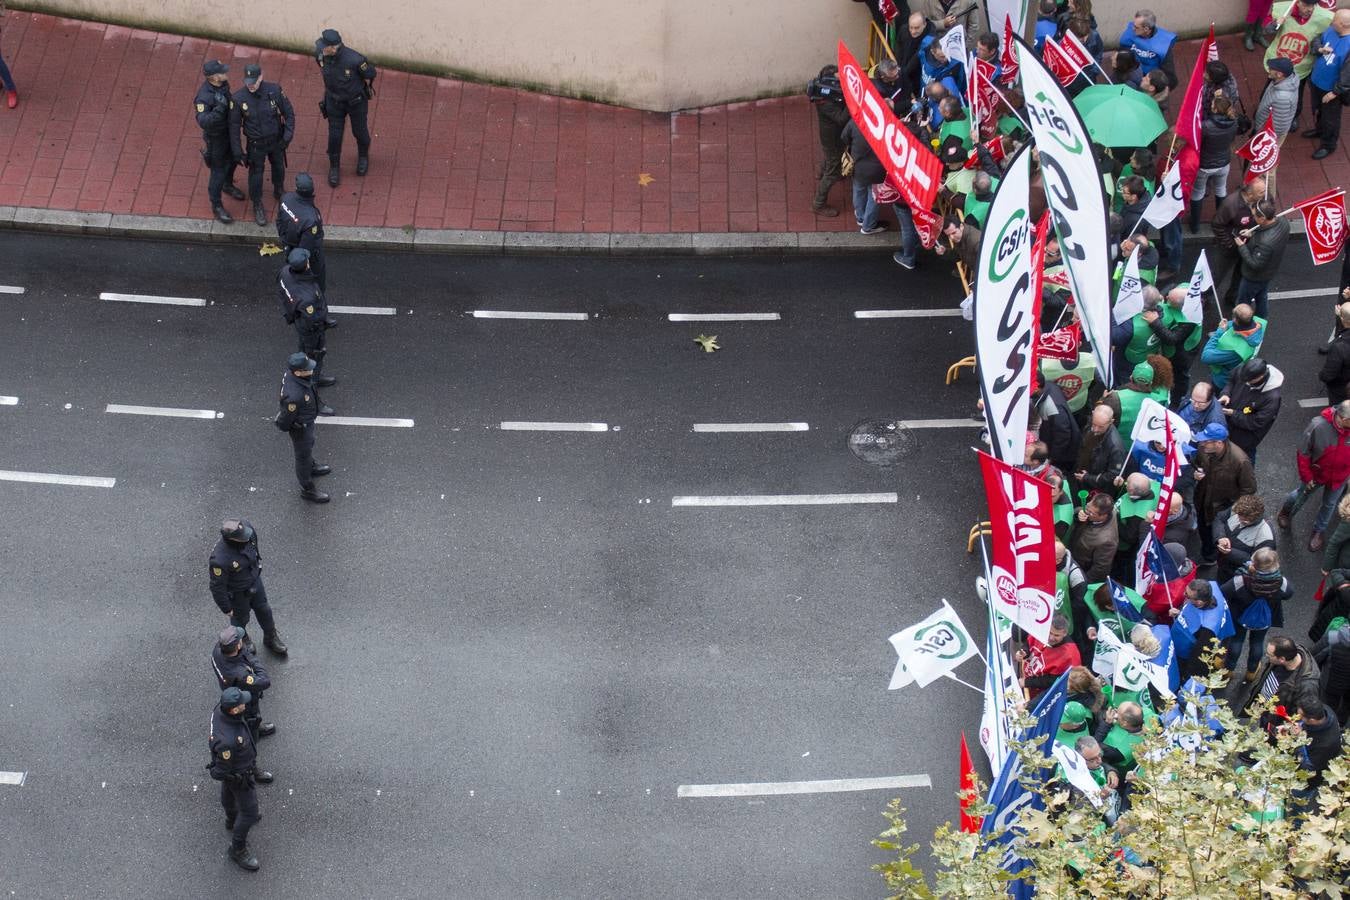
[1117,115]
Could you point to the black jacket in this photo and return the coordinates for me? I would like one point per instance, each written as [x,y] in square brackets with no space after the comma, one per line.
[1059,429]
[867,169]
[233,568]
[299,403]
[302,302]
[1216,141]
[1105,461]
[233,753]
[1254,409]
[212,105]
[266,117]
[1332,653]
[1336,370]
[299,223]
[1263,251]
[345,74]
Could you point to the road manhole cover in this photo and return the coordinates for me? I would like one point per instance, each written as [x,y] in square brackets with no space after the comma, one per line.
[880,442]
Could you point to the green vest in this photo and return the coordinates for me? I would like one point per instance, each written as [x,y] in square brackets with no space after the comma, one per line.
[1171,318]
[1010,125]
[1063,510]
[979,209]
[1143,342]
[1063,606]
[1124,742]
[1294,41]
[1233,342]
[1127,507]
[1147,276]
[960,128]
[1130,401]
[1073,380]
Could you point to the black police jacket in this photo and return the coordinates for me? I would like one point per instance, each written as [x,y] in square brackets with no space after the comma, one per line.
[213,108]
[345,73]
[233,752]
[265,117]
[302,300]
[242,671]
[299,403]
[234,568]
[299,223]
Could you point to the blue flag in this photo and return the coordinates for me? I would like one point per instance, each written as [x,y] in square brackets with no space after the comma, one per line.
[1124,605]
[1009,796]
[1160,561]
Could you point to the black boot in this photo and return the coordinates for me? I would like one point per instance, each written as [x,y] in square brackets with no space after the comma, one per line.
[326,380]
[314,495]
[1195,218]
[330,323]
[320,470]
[362,164]
[334,176]
[326,410]
[259,215]
[244,858]
[263,777]
[272,641]
[233,191]
[229,823]
[266,729]
[221,214]
[1249,37]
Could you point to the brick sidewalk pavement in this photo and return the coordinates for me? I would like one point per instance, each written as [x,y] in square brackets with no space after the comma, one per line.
[105,124]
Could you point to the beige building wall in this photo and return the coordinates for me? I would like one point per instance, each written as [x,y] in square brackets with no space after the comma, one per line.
[658,54]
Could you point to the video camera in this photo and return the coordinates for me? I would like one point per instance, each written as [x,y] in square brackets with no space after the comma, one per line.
[825,89]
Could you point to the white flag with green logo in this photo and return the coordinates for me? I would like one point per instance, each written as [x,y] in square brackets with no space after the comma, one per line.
[930,649]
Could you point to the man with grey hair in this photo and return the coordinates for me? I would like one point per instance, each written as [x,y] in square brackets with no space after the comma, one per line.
[1323,459]
[1177,339]
[1151,45]
[1107,778]
[1335,372]
[980,198]
[1134,339]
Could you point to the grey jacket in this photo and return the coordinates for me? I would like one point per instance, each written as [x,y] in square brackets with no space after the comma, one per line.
[1263,251]
[1280,100]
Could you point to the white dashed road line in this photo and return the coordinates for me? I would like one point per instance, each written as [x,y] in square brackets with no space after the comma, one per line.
[904,313]
[364,310]
[554,426]
[775,788]
[782,499]
[940,423]
[164,411]
[49,478]
[15,778]
[520,314]
[735,427]
[9,401]
[1314,403]
[362,420]
[147,298]
[1327,292]
[724,317]
[10,289]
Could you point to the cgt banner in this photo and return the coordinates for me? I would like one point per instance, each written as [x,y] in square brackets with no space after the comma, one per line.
[1073,188]
[1005,320]
[911,167]
[1022,583]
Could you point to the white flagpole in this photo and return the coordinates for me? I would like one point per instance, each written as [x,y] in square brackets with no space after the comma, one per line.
[966,683]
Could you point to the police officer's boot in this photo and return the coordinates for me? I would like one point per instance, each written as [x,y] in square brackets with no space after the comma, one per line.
[326,410]
[314,496]
[272,641]
[263,777]
[334,173]
[320,470]
[221,214]
[243,858]
[233,191]
[326,380]
[259,215]
[362,164]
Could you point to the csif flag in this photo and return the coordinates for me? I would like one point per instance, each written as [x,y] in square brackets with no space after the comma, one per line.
[1021,520]
[1193,308]
[1324,221]
[930,649]
[911,167]
[1167,202]
[1130,300]
[1262,151]
[1156,422]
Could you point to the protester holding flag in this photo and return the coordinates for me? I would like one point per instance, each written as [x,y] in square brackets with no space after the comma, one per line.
[1256,598]
[1178,336]
[1262,251]
[947,14]
[1043,662]
[1288,673]
[1279,100]
[1323,461]
[1299,23]
[867,171]
[1330,80]
[1165,597]
[1133,512]
[1244,532]
[1095,537]
[1234,216]
[1233,343]
[1222,474]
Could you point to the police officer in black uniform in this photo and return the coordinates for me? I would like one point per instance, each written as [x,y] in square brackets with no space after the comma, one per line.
[347,89]
[236,665]
[300,405]
[234,757]
[267,119]
[303,306]
[213,116]
[299,224]
[236,581]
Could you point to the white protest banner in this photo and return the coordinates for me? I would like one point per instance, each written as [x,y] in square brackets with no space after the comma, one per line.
[1000,689]
[1166,204]
[1134,673]
[1075,770]
[1012,13]
[1073,188]
[953,44]
[1104,654]
[930,649]
[1005,322]
[1153,421]
[1130,300]
[1193,309]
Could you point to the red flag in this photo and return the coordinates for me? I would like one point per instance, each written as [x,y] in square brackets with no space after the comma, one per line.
[983,93]
[887,10]
[997,151]
[1037,265]
[1171,472]
[969,823]
[1190,113]
[1263,150]
[1008,59]
[1060,64]
[911,167]
[1074,50]
[1327,4]
[885,194]
[1059,279]
[1062,343]
[1023,530]
[928,224]
[1324,220]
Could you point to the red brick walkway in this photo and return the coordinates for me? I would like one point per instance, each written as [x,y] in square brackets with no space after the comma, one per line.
[105,124]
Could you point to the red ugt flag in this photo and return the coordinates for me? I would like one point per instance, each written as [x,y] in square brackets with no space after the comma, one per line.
[1060,64]
[928,224]
[1324,220]
[1008,59]
[1262,151]
[887,10]
[1188,117]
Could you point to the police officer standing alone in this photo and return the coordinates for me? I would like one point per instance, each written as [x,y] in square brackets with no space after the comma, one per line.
[236,581]
[213,117]
[267,120]
[304,307]
[300,225]
[237,666]
[234,757]
[299,407]
[347,88]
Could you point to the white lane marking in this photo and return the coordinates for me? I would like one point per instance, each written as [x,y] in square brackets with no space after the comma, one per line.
[711,427]
[147,298]
[362,420]
[782,499]
[364,310]
[903,313]
[14,778]
[1314,403]
[9,401]
[49,478]
[1309,292]
[830,786]
[724,317]
[10,289]
[164,411]
[554,426]
[940,423]
[521,314]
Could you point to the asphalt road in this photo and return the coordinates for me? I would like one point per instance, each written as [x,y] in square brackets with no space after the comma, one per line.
[509,648]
